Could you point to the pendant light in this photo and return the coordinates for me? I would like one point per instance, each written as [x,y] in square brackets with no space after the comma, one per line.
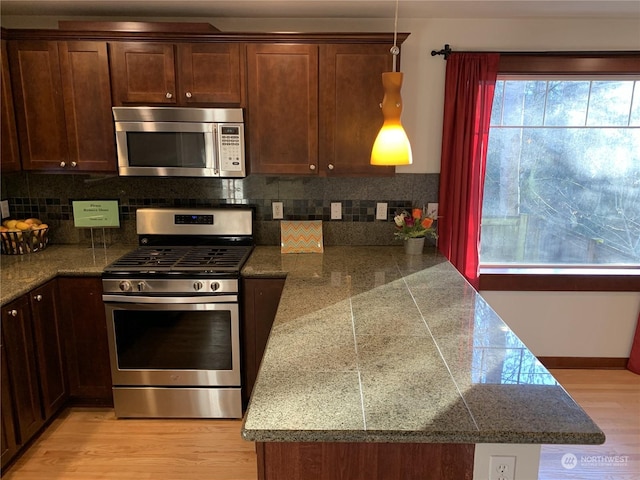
[392,146]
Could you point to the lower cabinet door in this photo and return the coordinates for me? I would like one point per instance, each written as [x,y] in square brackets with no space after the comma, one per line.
[261,298]
[84,328]
[9,440]
[48,341]
[17,338]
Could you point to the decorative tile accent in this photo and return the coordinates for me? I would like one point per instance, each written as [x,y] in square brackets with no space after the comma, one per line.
[301,236]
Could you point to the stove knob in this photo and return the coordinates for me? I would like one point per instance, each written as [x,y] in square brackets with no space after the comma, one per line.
[125,286]
[197,286]
[141,286]
[215,286]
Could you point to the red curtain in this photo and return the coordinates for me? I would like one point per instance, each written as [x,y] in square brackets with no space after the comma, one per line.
[469,86]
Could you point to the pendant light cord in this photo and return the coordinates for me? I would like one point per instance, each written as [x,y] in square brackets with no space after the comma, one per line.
[395,50]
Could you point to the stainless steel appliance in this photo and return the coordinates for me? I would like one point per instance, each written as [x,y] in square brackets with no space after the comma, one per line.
[172,310]
[180,142]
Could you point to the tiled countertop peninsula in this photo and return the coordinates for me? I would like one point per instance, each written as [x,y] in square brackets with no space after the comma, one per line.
[20,274]
[371,345]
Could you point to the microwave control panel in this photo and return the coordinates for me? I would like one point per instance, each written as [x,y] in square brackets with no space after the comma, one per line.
[231,147]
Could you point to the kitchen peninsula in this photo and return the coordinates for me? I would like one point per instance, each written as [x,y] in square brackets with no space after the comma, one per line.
[382,365]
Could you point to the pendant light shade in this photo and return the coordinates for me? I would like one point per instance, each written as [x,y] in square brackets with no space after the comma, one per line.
[391,146]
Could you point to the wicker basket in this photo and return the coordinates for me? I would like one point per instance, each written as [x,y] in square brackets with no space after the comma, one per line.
[26,241]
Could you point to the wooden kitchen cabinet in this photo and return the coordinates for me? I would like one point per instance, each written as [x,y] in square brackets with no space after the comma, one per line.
[176,74]
[9,440]
[10,159]
[315,108]
[49,348]
[84,328]
[350,116]
[87,102]
[261,297]
[63,105]
[33,376]
[282,84]
[17,339]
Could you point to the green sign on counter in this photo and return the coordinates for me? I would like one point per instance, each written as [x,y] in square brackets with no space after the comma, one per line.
[96,213]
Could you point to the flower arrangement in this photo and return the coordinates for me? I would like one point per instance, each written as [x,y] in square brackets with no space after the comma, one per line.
[414,225]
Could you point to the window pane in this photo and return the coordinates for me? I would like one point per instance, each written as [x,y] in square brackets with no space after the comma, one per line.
[496,111]
[610,103]
[567,103]
[524,102]
[635,108]
[564,196]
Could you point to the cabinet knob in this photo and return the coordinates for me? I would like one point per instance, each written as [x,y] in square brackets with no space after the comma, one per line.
[13,313]
[188,94]
[169,95]
[74,164]
[63,164]
[37,298]
[312,167]
[330,166]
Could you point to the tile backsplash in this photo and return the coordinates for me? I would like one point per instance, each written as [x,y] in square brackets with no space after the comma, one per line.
[50,198]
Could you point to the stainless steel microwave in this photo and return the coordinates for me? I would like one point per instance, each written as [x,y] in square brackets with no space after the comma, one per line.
[180,142]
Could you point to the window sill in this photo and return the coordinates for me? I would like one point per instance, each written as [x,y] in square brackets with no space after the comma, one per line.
[560,279]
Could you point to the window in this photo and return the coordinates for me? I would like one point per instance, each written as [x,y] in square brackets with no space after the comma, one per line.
[562,184]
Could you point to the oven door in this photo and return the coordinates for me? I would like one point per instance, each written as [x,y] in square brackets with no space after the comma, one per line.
[174,344]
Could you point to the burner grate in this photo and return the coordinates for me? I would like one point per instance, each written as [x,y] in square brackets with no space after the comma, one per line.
[178,259]
[212,258]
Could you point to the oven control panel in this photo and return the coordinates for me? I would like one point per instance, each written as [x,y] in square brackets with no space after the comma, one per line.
[158,286]
[193,219]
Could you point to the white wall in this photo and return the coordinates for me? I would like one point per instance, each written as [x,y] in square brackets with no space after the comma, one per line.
[570,324]
[550,323]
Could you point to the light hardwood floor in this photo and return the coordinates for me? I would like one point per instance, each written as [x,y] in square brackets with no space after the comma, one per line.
[91,444]
[612,400]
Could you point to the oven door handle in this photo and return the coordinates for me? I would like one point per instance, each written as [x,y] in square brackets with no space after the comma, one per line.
[176,300]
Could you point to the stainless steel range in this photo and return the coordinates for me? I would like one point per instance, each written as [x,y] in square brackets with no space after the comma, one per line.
[173,314]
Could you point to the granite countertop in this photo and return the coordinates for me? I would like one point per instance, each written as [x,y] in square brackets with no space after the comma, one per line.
[19,274]
[371,345]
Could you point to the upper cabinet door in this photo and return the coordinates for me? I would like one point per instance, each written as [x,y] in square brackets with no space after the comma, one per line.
[209,73]
[10,153]
[87,102]
[282,82]
[143,73]
[350,95]
[37,89]
[182,74]
[63,106]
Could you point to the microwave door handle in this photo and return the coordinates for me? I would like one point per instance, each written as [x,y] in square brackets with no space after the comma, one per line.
[215,150]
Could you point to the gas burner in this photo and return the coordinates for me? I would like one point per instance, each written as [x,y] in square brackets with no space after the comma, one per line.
[183,259]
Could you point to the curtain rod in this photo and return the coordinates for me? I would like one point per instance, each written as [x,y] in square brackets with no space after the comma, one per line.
[446,51]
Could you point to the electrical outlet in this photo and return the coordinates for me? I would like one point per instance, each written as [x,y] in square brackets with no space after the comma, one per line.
[336,211]
[432,210]
[381,211]
[4,204]
[502,467]
[278,210]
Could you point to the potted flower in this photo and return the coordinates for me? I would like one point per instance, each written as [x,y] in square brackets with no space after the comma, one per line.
[413,228]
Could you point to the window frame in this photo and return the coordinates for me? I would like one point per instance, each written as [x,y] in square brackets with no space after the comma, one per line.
[549,278]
